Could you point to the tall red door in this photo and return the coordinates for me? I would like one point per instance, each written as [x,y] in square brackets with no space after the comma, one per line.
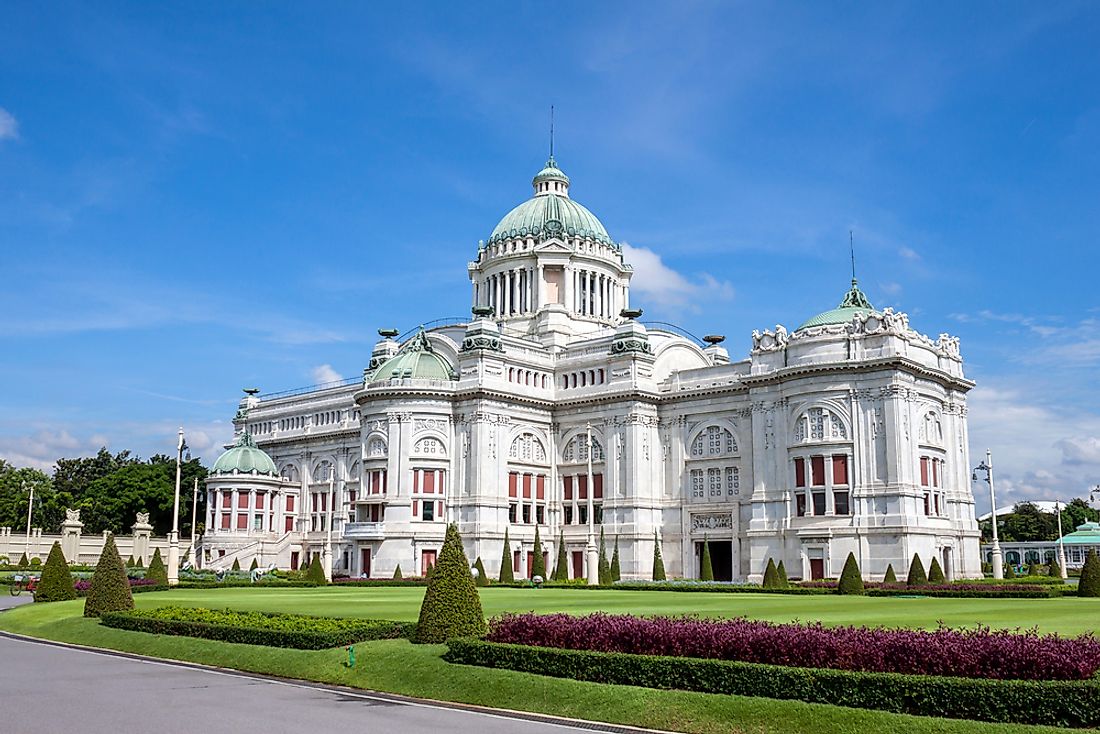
[817,569]
[364,566]
[578,564]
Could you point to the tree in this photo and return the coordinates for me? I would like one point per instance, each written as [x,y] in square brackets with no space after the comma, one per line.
[482,577]
[851,581]
[109,590]
[507,576]
[451,606]
[935,573]
[1077,512]
[706,572]
[397,573]
[1090,576]
[658,562]
[157,572]
[315,574]
[57,582]
[890,577]
[771,576]
[561,567]
[916,573]
[15,490]
[616,568]
[1027,522]
[603,567]
[781,576]
[538,565]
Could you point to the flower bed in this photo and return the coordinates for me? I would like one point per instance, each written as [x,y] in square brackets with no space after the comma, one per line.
[257,628]
[977,653]
[723,587]
[962,589]
[136,585]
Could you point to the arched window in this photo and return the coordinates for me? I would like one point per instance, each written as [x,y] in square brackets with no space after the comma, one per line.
[931,430]
[429,447]
[527,447]
[714,441]
[321,471]
[376,447]
[819,424]
[577,450]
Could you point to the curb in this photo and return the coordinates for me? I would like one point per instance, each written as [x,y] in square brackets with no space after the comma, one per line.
[348,690]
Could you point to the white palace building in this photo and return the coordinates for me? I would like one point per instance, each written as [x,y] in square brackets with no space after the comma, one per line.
[556,407]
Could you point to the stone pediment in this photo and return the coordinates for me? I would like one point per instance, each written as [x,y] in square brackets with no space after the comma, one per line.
[553,245]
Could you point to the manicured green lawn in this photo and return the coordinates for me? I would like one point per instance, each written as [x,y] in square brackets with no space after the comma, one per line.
[399,667]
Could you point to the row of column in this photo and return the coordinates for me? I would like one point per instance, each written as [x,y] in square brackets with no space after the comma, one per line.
[511,292]
[517,291]
[595,294]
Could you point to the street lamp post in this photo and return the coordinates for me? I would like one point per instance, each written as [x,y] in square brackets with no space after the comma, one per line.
[328,529]
[174,536]
[987,467]
[1061,548]
[30,509]
[590,550]
[192,555]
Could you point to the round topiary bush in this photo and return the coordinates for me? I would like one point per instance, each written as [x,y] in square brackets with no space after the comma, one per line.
[1090,576]
[935,573]
[658,562]
[315,574]
[916,573]
[56,583]
[890,577]
[157,571]
[851,581]
[451,607]
[109,590]
[36,562]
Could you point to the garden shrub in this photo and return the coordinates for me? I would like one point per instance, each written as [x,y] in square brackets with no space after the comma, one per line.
[771,576]
[890,577]
[157,571]
[397,573]
[507,576]
[1033,569]
[109,590]
[1009,572]
[139,562]
[1057,703]
[1090,576]
[130,562]
[658,562]
[706,572]
[616,568]
[236,564]
[258,628]
[538,564]
[315,574]
[935,573]
[851,581]
[36,562]
[255,565]
[781,577]
[24,562]
[916,573]
[451,606]
[561,566]
[56,583]
[482,578]
[603,568]
[1055,569]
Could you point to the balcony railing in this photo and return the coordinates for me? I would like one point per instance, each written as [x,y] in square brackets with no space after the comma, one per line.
[364,530]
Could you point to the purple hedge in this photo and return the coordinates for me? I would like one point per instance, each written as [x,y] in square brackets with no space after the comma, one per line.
[976,653]
[81,585]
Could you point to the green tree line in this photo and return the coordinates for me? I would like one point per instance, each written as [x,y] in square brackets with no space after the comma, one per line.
[1027,522]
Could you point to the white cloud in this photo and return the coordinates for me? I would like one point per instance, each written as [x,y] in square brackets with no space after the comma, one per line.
[908,253]
[324,373]
[41,449]
[9,128]
[660,285]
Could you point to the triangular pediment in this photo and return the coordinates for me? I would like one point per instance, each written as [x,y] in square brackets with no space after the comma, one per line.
[553,245]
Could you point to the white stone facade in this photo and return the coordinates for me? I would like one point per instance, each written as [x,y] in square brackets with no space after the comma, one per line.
[834,438]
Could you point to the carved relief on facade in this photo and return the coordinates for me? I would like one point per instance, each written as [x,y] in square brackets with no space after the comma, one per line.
[770,341]
[430,424]
[711,521]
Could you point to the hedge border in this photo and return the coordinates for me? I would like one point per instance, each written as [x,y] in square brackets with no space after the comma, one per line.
[370,629]
[1055,703]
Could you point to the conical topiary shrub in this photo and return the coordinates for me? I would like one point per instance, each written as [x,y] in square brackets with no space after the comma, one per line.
[851,582]
[1033,569]
[771,576]
[781,577]
[1090,576]
[451,607]
[24,562]
[430,570]
[890,577]
[236,564]
[616,568]
[603,568]
[255,564]
[706,572]
[935,573]
[916,573]
[482,577]
[139,563]
[397,573]
[109,590]
[1010,571]
[538,565]
[56,583]
[561,567]
[658,562]
[130,562]
[315,574]
[1055,569]
[157,571]
[507,575]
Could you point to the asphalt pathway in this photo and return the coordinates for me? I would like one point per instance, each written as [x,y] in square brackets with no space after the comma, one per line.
[48,689]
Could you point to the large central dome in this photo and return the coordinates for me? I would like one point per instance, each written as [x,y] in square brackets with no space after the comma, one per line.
[550,213]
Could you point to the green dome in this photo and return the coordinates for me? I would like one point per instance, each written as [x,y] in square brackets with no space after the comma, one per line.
[550,214]
[245,458]
[854,304]
[415,360]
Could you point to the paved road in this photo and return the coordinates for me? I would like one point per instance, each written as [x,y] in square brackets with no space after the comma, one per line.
[7,601]
[48,689]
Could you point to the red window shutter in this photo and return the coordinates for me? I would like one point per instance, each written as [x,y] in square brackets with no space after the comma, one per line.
[439,484]
[290,503]
[416,480]
[526,486]
[324,502]
[438,510]
[374,482]
[817,470]
[840,470]
[597,486]
[567,490]
[384,480]
[936,474]
[540,487]
[259,502]
[515,561]
[242,500]
[225,521]
[242,522]
[289,525]
[416,508]
[227,500]
[313,502]
[800,472]
[429,482]
[513,477]
[924,471]
[582,487]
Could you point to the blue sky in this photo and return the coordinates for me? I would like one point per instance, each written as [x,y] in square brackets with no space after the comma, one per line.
[200,197]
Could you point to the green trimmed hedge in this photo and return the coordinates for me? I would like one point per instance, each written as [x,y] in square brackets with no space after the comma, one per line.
[713,586]
[297,631]
[1040,592]
[1055,703]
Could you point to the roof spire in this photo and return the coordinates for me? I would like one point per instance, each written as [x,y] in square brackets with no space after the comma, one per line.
[852,252]
[551,132]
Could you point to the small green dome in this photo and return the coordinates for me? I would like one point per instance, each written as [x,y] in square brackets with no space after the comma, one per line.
[550,213]
[245,458]
[854,303]
[415,360]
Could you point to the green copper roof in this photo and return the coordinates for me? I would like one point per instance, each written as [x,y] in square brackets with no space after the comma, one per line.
[1086,533]
[415,360]
[245,458]
[854,303]
[550,214]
